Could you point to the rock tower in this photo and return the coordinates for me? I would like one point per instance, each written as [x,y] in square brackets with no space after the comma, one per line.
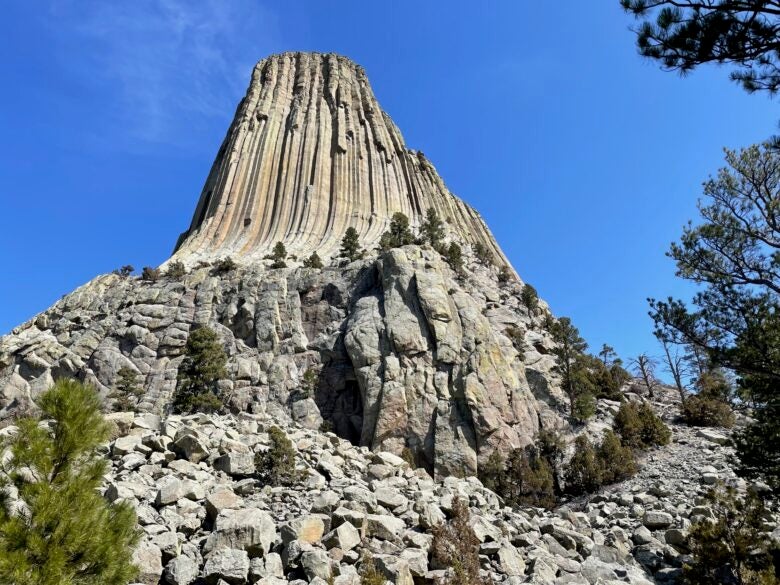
[411,356]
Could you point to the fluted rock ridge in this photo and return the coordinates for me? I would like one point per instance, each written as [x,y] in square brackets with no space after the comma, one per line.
[309,154]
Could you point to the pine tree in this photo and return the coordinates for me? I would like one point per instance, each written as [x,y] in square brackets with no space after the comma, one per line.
[432,229]
[398,234]
[530,298]
[454,257]
[279,255]
[313,261]
[572,365]
[127,389]
[483,254]
[68,534]
[350,245]
[203,366]
[276,465]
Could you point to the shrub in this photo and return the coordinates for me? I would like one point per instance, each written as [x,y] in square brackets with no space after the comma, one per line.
[398,234]
[585,472]
[408,455]
[350,245]
[732,546]
[529,479]
[369,574]
[584,406]
[639,427]
[483,254]
[203,366]
[454,257]
[432,229]
[70,533]
[525,478]
[276,465]
[225,265]
[707,412]
[313,261]
[530,298]
[279,255]
[607,380]
[505,274]
[517,336]
[150,274]
[618,462]
[125,271]
[309,382]
[176,270]
[455,546]
[127,389]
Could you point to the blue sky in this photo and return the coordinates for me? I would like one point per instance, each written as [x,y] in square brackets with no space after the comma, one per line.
[584,159]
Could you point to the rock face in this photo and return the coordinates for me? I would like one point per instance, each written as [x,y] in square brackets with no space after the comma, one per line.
[309,154]
[409,354]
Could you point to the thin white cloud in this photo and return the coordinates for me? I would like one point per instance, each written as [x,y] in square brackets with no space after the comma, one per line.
[165,62]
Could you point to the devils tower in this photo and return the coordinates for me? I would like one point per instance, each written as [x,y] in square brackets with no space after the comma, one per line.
[309,154]
[410,354]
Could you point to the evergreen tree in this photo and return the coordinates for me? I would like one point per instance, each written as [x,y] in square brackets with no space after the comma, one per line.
[176,270]
[585,471]
[398,234]
[683,34]
[203,366]
[483,254]
[125,271]
[313,261]
[350,245]
[276,465]
[572,365]
[618,462]
[68,533]
[530,298]
[127,389]
[454,257]
[433,229]
[734,253]
[279,255]
[150,274]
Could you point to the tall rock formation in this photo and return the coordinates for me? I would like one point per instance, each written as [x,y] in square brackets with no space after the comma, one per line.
[409,354]
[309,154]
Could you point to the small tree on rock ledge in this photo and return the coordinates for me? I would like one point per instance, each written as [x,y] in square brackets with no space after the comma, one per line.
[203,366]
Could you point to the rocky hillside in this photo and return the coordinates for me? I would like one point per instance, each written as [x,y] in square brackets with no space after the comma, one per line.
[408,354]
[208,519]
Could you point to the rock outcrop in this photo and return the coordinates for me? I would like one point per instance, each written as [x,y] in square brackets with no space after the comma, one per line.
[203,523]
[409,353]
[309,154]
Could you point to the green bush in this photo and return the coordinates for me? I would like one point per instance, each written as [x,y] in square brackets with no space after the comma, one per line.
[732,546]
[505,274]
[707,412]
[525,478]
[398,234]
[225,265]
[176,270]
[454,257]
[200,370]
[69,533]
[313,261]
[276,465]
[530,298]
[125,271]
[455,546]
[584,406]
[279,255]
[150,274]
[585,471]
[639,427]
[127,389]
[483,254]
[432,229]
[350,245]
[617,460]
